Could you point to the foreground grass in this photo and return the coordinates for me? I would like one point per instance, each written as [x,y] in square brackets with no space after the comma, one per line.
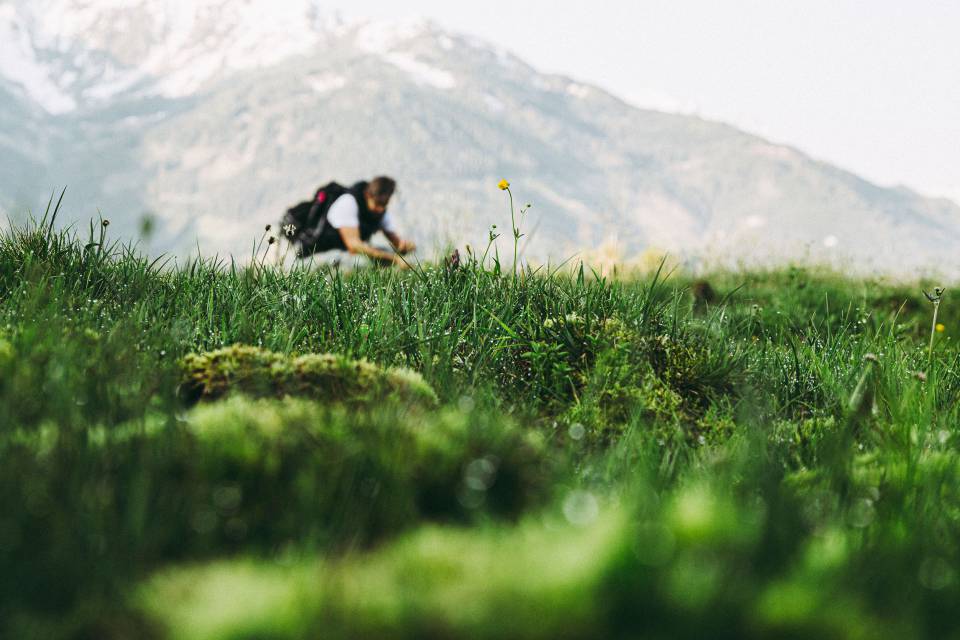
[538,455]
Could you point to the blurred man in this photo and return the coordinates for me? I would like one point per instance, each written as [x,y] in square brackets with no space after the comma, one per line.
[342,218]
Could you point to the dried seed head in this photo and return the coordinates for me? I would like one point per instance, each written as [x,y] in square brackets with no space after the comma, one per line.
[267,228]
[105,223]
[271,240]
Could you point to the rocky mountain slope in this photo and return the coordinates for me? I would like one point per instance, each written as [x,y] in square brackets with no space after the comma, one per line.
[215,115]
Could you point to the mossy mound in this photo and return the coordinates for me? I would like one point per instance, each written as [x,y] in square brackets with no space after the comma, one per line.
[326,377]
[618,576]
[254,476]
[530,582]
[308,472]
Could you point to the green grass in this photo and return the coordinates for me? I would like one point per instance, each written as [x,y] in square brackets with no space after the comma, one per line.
[459,453]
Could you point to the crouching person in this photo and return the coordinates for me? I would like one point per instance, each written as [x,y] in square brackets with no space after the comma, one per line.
[345,219]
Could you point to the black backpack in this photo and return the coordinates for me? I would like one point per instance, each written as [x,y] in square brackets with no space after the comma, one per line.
[302,224]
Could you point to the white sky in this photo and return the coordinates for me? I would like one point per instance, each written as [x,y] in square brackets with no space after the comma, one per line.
[870,85]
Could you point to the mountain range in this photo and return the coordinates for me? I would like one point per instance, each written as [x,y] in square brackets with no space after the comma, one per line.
[211,117]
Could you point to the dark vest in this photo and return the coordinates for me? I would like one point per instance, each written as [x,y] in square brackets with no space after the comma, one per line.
[324,236]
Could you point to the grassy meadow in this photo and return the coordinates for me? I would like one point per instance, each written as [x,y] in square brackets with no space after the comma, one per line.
[206,450]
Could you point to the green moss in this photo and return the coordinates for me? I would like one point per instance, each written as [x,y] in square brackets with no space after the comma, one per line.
[243,599]
[671,386]
[259,474]
[469,464]
[532,582]
[265,472]
[693,569]
[326,377]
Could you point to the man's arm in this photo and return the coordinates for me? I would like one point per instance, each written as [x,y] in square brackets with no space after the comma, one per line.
[355,245]
[402,246]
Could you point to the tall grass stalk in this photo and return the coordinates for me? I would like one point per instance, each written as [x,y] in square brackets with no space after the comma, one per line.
[935,299]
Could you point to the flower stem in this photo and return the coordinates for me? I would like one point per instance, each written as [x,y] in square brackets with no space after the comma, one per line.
[933,332]
[516,236]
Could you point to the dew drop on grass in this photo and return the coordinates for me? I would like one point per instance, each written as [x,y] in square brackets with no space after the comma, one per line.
[936,574]
[480,474]
[581,508]
[861,514]
[577,431]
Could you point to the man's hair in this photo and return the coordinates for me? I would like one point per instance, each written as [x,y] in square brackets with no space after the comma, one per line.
[381,188]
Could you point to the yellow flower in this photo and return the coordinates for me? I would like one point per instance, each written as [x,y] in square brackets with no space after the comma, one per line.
[504,185]
[941,328]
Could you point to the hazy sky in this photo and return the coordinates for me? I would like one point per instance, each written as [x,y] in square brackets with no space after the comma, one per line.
[871,85]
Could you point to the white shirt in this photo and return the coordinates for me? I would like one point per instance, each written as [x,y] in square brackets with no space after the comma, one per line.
[345,212]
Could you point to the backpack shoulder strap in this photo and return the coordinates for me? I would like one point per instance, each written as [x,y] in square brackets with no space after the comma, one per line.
[330,190]
[322,200]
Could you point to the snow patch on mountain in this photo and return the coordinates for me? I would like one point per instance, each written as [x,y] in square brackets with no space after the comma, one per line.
[103,49]
[383,37]
[421,72]
[387,40]
[175,45]
[579,90]
[326,82]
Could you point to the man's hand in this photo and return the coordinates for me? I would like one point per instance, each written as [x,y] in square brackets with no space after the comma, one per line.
[351,239]
[405,246]
[402,245]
